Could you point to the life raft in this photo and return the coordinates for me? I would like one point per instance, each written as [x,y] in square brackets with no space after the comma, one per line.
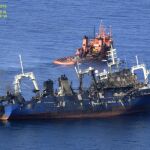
[65,61]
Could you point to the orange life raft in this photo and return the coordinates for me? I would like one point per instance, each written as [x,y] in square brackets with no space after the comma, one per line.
[65,61]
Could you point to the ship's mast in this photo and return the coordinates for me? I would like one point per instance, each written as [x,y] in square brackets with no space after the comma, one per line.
[101,29]
[21,64]
[94,32]
[112,57]
[137,61]
[110,32]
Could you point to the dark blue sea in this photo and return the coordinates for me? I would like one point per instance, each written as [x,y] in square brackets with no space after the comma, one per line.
[43,30]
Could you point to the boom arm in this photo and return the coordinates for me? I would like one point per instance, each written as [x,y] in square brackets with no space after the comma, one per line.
[19,77]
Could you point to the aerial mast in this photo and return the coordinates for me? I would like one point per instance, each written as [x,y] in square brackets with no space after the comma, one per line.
[110,32]
[100,28]
[21,63]
[94,32]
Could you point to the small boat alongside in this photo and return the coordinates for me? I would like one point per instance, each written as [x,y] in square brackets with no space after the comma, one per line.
[92,49]
[70,60]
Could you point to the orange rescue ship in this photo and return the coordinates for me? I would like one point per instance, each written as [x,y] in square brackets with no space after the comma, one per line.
[92,49]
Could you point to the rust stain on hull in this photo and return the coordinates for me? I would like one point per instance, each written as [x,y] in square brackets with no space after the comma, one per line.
[4,117]
[69,115]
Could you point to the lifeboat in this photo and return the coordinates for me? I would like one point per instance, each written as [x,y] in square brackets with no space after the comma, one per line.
[65,61]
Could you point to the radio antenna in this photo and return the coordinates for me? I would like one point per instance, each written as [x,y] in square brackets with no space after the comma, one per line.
[21,63]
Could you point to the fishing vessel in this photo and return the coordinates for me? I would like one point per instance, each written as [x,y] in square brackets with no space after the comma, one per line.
[114,91]
[92,49]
